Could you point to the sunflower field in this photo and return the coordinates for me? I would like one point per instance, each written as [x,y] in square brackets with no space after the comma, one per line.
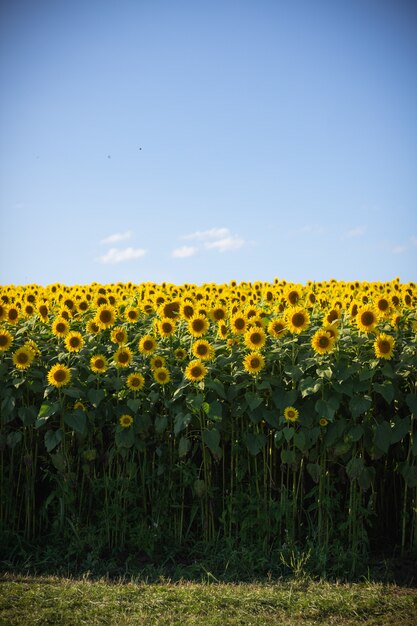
[266,416]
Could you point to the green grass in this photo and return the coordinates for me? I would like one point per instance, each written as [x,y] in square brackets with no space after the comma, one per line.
[69,602]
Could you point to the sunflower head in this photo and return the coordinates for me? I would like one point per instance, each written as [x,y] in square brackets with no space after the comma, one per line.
[255,338]
[135,381]
[195,371]
[126,421]
[323,421]
[118,335]
[23,357]
[98,364]
[123,356]
[384,346]
[158,362]
[166,327]
[162,375]
[198,325]
[291,414]
[147,344]
[277,328]
[60,327]
[297,319]
[59,375]
[6,339]
[322,342]
[254,362]
[203,350]
[180,354]
[366,319]
[74,341]
[105,316]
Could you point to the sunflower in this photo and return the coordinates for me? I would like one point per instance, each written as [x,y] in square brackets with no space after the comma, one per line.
[203,350]
[118,335]
[383,306]
[123,356]
[180,354]
[158,362]
[384,346]
[59,375]
[166,327]
[125,420]
[79,406]
[92,327]
[198,325]
[195,371]
[162,375]
[322,342]
[323,421]
[23,357]
[74,341]
[12,314]
[366,319]
[332,330]
[60,327]
[218,313]
[297,319]
[222,330]
[32,345]
[277,328]
[132,314]
[254,362]
[43,311]
[238,323]
[6,339]
[98,364]
[135,381]
[147,344]
[105,316]
[255,338]
[187,310]
[291,414]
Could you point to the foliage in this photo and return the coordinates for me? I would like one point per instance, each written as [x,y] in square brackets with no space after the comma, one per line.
[266,415]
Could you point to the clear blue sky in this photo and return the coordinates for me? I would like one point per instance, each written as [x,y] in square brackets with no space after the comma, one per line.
[195,141]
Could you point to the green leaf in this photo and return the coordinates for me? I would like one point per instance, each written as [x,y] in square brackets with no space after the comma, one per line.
[73,392]
[358,405]
[183,446]
[134,404]
[411,400]
[125,437]
[366,477]
[77,420]
[287,456]
[52,439]
[409,473]
[216,409]
[382,437]
[254,442]
[216,386]
[388,370]
[27,414]
[181,421]
[355,467]
[400,430]
[95,396]
[283,398]
[309,386]
[386,390]
[58,461]
[314,469]
[356,432]
[14,438]
[327,408]
[300,440]
[7,408]
[288,433]
[211,438]
[253,400]
[161,423]
[196,401]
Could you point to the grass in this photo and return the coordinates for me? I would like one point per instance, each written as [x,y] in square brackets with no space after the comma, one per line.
[70,602]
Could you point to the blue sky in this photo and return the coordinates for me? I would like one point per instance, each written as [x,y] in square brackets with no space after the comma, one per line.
[191,141]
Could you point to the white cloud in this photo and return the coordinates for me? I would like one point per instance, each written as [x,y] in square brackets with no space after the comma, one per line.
[117,255]
[355,232]
[398,249]
[184,251]
[315,229]
[117,237]
[212,233]
[225,244]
